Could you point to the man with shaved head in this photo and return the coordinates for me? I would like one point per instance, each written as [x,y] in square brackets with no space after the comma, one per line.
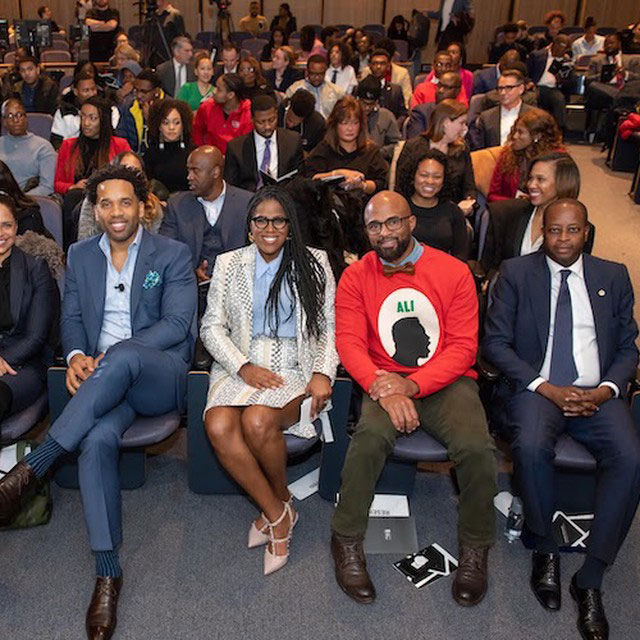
[210,217]
[407,332]
[561,330]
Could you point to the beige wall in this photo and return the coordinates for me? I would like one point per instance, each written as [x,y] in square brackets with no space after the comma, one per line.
[533,12]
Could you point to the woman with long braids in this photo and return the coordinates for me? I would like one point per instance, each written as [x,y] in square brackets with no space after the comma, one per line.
[270,327]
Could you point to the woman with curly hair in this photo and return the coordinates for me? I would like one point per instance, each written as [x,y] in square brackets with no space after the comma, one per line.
[339,71]
[534,133]
[425,184]
[170,143]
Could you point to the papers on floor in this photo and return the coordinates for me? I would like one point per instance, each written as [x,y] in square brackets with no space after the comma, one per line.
[306,486]
[427,565]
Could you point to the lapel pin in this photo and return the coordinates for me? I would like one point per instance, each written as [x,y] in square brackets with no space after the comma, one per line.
[602,293]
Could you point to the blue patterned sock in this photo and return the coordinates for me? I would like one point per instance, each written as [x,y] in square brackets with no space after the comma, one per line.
[108,564]
[41,459]
[591,573]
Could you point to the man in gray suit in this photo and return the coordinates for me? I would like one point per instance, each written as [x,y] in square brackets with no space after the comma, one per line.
[492,126]
[210,218]
[179,70]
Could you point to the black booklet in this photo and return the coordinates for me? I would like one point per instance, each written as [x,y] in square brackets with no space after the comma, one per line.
[607,73]
[427,565]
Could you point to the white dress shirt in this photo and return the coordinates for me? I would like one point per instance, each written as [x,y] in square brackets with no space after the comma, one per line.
[345,77]
[213,208]
[447,7]
[261,144]
[585,343]
[548,79]
[581,47]
[527,246]
[508,118]
[180,72]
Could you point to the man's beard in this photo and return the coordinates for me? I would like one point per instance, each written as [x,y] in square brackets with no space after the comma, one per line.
[391,255]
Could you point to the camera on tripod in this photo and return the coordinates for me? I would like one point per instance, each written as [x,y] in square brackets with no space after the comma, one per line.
[223,7]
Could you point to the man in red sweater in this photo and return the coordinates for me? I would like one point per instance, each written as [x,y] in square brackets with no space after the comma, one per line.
[225,116]
[407,332]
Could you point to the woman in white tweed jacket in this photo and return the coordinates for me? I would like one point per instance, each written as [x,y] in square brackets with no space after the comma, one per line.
[270,327]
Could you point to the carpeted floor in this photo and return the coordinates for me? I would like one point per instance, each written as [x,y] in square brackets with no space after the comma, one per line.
[188,574]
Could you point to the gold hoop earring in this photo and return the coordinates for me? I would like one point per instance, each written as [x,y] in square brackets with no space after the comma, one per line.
[251,239]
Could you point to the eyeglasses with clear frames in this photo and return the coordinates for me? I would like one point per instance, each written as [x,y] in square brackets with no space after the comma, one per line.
[392,224]
[507,87]
[16,116]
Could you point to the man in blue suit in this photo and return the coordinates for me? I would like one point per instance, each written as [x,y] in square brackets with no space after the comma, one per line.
[128,331]
[486,80]
[560,329]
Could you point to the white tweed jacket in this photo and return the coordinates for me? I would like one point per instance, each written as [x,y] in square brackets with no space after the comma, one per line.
[227,325]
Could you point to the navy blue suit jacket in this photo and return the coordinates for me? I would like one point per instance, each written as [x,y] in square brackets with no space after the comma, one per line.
[517,324]
[163,316]
[34,302]
[485,81]
[185,220]
[536,64]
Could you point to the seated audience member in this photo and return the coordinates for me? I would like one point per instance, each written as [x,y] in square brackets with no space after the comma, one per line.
[310,44]
[381,123]
[225,116]
[299,114]
[194,93]
[31,159]
[79,157]
[277,39]
[283,72]
[129,359]
[39,93]
[510,33]
[134,113]
[170,143]
[590,43]
[391,72]
[285,20]
[535,133]
[554,21]
[123,53]
[254,82]
[446,132]
[458,58]
[547,69]
[340,72]
[492,127]
[89,226]
[347,151]
[271,349]
[607,75]
[268,149]
[449,86]
[398,28]
[325,93]
[573,381]
[66,119]
[230,57]
[178,71]
[630,38]
[362,52]
[523,36]
[28,309]
[44,13]
[392,97]
[407,331]
[530,96]
[487,79]
[27,209]
[254,23]
[516,225]
[209,218]
[103,23]
[439,222]
[125,79]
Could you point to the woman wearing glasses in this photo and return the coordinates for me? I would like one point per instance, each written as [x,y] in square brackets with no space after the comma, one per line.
[254,82]
[270,327]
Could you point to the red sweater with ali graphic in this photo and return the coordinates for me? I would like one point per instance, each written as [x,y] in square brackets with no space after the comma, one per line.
[423,325]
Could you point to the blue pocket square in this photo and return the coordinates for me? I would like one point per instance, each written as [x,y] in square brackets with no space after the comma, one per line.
[152,279]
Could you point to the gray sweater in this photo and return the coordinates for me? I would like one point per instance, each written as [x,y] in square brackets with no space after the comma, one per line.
[27,157]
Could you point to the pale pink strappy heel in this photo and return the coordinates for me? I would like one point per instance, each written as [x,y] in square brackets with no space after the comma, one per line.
[273,562]
[258,537]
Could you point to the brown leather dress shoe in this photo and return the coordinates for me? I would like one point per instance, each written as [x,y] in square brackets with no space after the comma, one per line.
[351,568]
[15,488]
[470,583]
[101,614]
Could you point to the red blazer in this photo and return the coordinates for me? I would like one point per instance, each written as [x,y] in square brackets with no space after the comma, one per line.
[65,168]
[503,185]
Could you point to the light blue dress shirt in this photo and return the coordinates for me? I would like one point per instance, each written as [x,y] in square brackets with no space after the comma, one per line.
[116,321]
[264,275]
[413,257]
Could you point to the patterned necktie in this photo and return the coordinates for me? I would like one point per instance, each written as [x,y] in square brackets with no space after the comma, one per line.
[266,161]
[334,77]
[563,370]
[407,267]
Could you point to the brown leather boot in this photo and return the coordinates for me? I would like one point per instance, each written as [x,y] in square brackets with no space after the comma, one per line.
[351,568]
[101,614]
[470,583]
[15,488]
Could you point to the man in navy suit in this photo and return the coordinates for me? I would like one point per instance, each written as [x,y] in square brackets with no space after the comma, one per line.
[560,329]
[128,331]
[486,80]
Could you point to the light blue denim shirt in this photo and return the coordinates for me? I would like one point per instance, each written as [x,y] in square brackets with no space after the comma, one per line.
[413,257]
[264,275]
[116,321]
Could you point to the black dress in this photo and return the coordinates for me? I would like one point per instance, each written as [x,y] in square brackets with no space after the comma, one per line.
[442,227]
[169,165]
